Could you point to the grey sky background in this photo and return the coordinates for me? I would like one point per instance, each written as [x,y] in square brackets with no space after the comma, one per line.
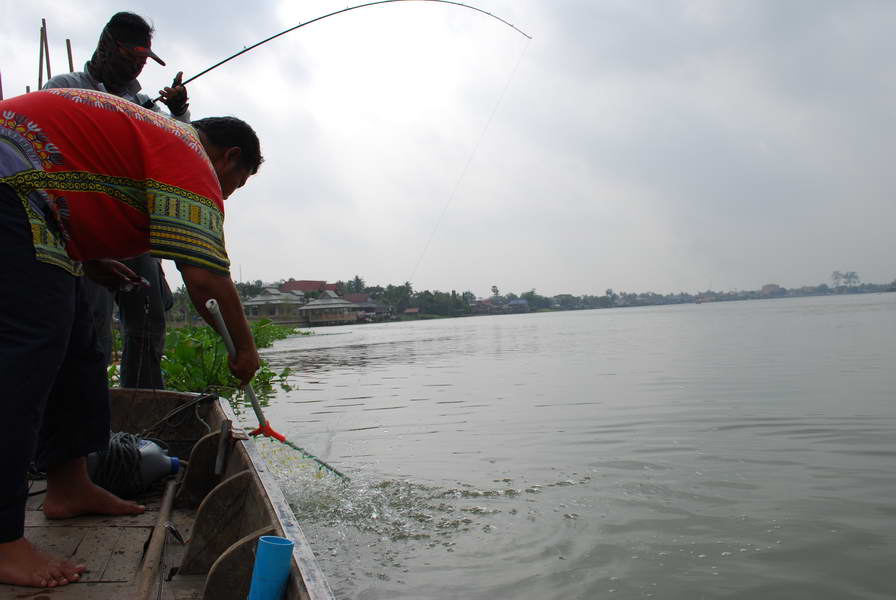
[654,145]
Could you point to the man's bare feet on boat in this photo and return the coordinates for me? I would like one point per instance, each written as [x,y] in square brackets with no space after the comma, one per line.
[23,564]
[71,493]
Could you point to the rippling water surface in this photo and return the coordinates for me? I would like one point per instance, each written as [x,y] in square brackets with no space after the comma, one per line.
[732,450]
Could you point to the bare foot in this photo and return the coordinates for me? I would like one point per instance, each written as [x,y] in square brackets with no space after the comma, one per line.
[23,564]
[90,500]
[71,493]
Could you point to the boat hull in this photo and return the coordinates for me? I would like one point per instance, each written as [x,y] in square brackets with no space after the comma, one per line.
[198,536]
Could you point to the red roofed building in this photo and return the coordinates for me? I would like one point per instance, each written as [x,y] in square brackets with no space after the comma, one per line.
[307,285]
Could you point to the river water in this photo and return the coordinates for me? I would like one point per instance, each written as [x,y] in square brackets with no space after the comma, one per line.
[729,450]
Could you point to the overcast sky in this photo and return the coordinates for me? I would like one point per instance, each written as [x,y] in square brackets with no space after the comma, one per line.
[652,145]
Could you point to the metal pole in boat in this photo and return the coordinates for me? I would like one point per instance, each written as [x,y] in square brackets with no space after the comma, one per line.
[40,61]
[46,48]
[71,63]
[264,428]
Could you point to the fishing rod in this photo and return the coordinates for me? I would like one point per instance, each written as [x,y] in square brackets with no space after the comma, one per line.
[285,31]
[264,426]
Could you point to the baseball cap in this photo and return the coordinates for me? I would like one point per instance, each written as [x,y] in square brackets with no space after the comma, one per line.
[132,32]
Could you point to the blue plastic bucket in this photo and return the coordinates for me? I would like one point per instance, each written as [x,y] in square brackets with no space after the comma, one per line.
[272,560]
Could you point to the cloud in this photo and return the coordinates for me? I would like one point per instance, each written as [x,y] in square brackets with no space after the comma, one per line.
[640,146]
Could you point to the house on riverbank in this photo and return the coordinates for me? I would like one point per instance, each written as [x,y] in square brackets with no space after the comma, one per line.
[285,304]
[307,286]
[370,310]
[276,305]
[329,309]
[518,305]
[484,307]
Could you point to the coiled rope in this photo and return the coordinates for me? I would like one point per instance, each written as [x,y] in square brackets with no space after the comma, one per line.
[118,467]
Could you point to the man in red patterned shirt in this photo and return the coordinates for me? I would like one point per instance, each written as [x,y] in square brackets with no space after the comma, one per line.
[87,178]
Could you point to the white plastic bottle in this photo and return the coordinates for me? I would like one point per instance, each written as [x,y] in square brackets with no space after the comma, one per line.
[155,463]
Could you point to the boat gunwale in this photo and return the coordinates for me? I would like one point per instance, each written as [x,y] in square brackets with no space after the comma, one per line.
[305,572]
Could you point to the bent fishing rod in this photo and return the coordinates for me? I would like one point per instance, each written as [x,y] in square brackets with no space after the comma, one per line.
[285,31]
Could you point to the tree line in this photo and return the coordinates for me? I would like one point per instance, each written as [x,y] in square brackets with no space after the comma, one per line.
[454,303]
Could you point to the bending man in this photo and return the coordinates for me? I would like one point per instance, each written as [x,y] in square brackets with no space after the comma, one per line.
[85,178]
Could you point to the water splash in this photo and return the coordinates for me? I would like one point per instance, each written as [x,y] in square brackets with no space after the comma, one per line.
[394,509]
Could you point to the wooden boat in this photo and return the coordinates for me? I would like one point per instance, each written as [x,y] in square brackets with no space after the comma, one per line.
[198,535]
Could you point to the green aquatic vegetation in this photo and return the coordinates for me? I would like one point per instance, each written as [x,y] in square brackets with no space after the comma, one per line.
[267,332]
[195,360]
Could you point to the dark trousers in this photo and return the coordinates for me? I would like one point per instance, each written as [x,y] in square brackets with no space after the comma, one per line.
[101,302]
[54,397]
[143,325]
[142,313]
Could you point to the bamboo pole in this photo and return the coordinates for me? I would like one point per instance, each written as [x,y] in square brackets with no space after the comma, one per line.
[46,47]
[146,578]
[71,63]
[1,87]
[40,61]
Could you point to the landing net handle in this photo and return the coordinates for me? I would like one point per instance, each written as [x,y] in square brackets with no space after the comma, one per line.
[263,426]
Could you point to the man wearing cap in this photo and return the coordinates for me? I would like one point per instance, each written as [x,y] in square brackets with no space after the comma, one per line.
[121,53]
[124,45]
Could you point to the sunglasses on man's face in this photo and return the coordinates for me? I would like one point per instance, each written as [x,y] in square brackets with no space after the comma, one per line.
[134,50]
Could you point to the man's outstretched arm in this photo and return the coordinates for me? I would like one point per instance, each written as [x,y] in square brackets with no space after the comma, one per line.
[202,285]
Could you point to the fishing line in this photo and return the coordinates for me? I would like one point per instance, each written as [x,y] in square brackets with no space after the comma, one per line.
[285,31]
[463,172]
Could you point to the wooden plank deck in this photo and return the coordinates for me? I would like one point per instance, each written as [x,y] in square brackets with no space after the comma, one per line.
[114,548]
[111,547]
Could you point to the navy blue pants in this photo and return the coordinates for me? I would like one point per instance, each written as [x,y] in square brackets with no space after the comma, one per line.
[54,396]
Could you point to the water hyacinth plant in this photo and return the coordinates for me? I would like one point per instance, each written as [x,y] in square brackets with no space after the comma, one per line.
[195,360]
